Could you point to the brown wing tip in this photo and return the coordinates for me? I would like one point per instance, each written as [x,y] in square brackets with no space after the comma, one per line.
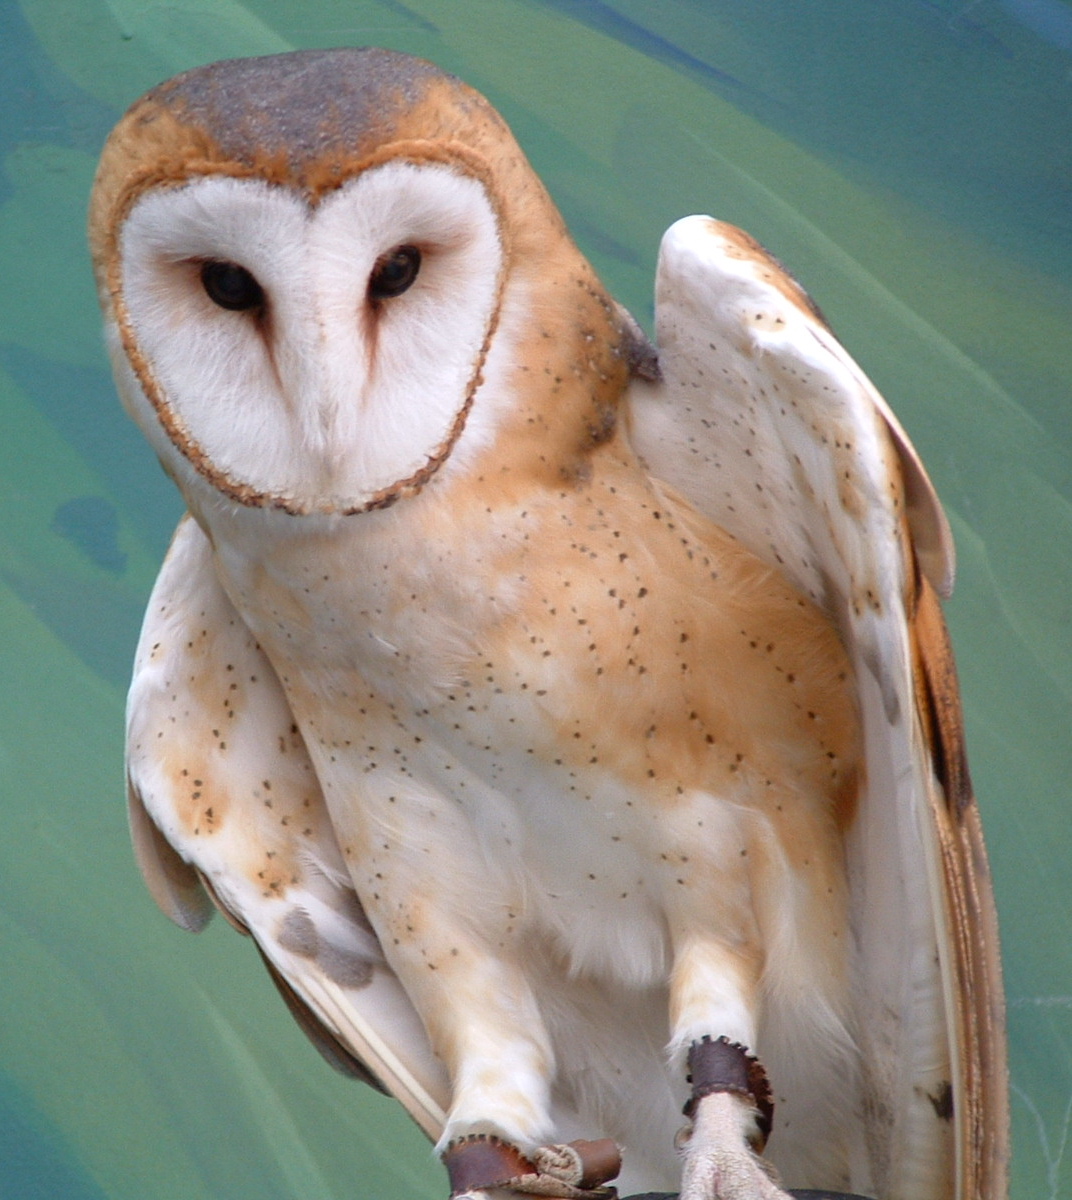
[940,698]
[331,1049]
[172,882]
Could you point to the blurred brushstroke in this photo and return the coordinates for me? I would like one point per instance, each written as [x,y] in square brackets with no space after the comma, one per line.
[909,160]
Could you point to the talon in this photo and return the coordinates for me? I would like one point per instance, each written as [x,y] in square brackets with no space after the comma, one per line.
[719,1163]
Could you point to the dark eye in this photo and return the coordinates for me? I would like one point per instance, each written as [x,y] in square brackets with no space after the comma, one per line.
[394,272]
[231,286]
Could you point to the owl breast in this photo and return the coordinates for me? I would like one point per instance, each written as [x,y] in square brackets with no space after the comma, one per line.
[565,727]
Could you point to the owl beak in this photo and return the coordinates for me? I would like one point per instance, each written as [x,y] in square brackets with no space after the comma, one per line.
[322,369]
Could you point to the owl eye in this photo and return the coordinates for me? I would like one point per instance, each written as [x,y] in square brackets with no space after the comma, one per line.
[231,286]
[394,272]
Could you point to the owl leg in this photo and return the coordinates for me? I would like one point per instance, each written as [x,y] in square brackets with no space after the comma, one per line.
[484,1023]
[471,993]
[467,974]
[730,1109]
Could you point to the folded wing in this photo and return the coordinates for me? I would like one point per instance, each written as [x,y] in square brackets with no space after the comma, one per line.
[225,809]
[764,422]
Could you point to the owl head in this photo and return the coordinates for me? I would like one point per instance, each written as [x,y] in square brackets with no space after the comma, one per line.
[326,273]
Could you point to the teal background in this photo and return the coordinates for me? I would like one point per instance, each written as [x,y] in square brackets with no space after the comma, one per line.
[911,161]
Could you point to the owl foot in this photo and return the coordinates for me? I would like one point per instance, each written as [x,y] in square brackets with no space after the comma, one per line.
[719,1162]
[484,1167]
[731,1113]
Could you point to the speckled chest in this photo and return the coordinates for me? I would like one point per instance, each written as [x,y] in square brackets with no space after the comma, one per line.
[551,678]
[537,611]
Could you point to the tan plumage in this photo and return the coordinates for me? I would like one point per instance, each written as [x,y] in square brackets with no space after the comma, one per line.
[534,707]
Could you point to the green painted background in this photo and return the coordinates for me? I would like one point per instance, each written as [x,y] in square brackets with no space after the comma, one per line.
[910,160]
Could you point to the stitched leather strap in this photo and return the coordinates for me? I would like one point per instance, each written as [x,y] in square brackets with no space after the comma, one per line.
[574,1171]
[483,1161]
[725,1066]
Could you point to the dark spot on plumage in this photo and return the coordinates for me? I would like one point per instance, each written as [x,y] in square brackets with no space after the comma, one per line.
[942,1099]
[602,425]
[297,933]
[576,473]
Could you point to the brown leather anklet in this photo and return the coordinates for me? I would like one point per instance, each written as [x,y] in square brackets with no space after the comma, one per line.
[725,1066]
[574,1171]
[483,1161]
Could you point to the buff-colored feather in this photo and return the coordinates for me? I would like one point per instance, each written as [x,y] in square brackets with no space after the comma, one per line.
[538,707]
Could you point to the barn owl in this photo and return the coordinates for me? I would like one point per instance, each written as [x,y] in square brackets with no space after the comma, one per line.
[569,720]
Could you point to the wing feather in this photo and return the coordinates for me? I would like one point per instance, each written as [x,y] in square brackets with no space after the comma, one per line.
[762,420]
[226,810]
[972,917]
[173,883]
